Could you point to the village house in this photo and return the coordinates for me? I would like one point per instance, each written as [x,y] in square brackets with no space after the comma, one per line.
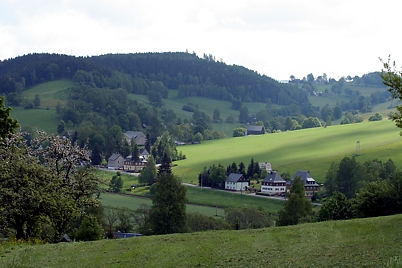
[265,165]
[273,184]
[115,161]
[236,182]
[310,185]
[144,154]
[138,136]
[134,166]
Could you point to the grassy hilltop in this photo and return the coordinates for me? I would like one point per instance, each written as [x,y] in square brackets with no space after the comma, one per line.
[372,242]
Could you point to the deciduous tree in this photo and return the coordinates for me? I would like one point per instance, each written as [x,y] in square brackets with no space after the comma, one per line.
[7,124]
[297,206]
[148,174]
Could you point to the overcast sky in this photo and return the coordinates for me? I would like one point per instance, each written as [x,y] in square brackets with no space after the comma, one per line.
[276,38]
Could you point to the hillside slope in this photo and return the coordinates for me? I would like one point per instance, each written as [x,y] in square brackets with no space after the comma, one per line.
[372,242]
[307,149]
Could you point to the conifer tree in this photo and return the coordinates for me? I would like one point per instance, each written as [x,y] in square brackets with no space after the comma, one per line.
[168,212]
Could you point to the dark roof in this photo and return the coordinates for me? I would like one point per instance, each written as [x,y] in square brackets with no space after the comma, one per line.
[255,128]
[143,151]
[306,177]
[114,157]
[139,137]
[273,177]
[233,177]
[125,235]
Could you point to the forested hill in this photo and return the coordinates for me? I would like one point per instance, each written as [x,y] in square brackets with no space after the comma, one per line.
[191,75]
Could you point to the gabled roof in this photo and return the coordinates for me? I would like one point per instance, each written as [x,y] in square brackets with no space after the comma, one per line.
[144,151]
[233,177]
[273,177]
[306,177]
[255,128]
[133,134]
[114,157]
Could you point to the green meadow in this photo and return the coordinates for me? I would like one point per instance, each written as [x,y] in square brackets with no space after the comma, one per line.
[132,202]
[308,149]
[43,118]
[371,242]
[205,201]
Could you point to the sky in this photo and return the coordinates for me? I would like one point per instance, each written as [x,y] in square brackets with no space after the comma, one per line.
[277,38]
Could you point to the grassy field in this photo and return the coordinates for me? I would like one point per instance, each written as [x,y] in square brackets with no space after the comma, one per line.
[50,93]
[203,201]
[372,242]
[133,202]
[43,118]
[307,149]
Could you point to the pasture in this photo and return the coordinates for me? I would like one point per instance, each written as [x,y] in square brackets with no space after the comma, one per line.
[41,119]
[371,242]
[132,202]
[307,149]
[50,93]
[204,201]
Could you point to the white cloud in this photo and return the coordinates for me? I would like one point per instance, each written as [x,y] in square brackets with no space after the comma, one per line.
[276,38]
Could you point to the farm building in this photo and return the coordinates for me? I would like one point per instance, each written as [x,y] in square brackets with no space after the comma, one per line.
[255,130]
[131,165]
[144,154]
[138,136]
[236,182]
[310,185]
[265,165]
[115,161]
[273,184]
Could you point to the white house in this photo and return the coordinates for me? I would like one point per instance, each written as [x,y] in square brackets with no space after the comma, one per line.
[236,182]
[273,184]
[265,165]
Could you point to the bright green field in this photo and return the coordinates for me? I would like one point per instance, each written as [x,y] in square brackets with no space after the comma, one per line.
[133,202]
[307,149]
[44,120]
[372,242]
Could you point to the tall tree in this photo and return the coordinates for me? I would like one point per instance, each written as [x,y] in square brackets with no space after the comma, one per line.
[297,206]
[346,180]
[96,155]
[168,212]
[135,153]
[148,174]
[165,165]
[217,115]
[243,115]
[7,124]
[36,101]
[392,78]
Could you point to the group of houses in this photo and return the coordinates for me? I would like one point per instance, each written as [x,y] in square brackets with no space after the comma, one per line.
[273,183]
[129,163]
[117,162]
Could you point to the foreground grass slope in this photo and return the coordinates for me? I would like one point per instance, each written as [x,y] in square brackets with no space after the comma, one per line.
[308,149]
[373,242]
